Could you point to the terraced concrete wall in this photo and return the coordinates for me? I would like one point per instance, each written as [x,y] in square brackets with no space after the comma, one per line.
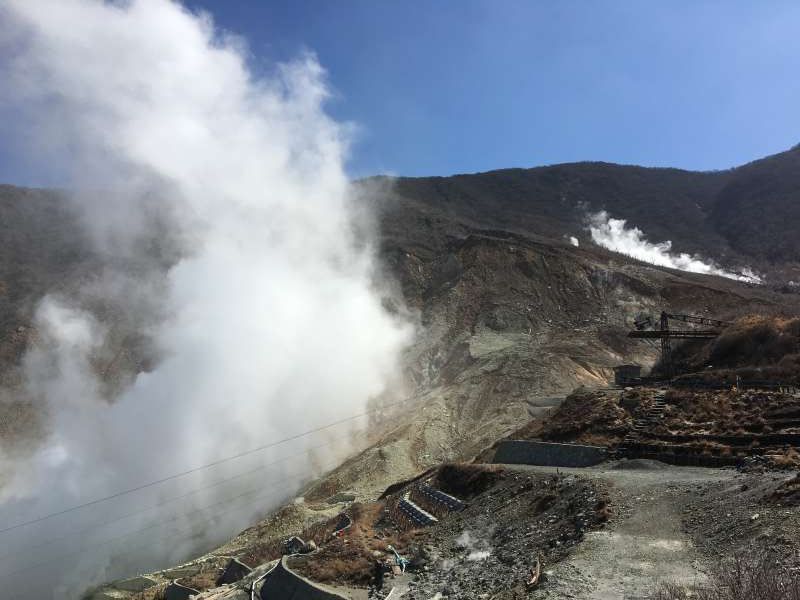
[176,591]
[284,584]
[681,456]
[549,454]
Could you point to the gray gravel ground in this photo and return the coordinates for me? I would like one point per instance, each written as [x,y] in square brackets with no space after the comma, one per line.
[645,541]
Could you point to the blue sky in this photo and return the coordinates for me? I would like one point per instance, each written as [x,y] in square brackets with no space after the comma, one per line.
[445,86]
[451,86]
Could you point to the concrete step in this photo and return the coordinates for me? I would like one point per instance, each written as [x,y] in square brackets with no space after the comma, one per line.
[418,515]
[439,497]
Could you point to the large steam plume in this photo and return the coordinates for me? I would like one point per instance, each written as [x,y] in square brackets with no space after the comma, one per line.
[613,234]
[259,303]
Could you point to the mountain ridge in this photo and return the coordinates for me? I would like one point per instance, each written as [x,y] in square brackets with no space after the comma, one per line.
[686,207]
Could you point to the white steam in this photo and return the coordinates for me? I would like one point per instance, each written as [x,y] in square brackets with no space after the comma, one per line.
[614,235]
[477,547]
[264,316]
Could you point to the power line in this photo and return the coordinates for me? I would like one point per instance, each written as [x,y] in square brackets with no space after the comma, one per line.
[173,532]
[94,526]
[176,517]
[195,469]
[156,524]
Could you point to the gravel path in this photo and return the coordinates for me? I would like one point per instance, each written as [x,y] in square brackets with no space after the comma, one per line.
[644,542]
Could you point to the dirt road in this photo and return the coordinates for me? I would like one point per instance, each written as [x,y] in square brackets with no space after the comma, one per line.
[644,542]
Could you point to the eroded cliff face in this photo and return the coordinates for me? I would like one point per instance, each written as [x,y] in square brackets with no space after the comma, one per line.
[508,324]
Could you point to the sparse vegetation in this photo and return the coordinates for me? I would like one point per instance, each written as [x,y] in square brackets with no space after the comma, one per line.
[265,551]
[755,347]
[745,577]
[349,559]
[589,417]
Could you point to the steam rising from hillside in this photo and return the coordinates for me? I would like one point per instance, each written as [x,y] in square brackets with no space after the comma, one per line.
[218,200]
[614,235]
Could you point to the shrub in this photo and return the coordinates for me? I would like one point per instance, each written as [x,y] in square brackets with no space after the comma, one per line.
[754,347]
[745,577]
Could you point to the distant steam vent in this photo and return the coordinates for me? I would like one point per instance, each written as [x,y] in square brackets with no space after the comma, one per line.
[613,234]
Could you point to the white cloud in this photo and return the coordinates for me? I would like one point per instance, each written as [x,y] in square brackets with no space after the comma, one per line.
[614,235]
[268,324]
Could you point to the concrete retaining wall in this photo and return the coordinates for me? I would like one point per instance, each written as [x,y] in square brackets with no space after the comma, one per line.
[234,571]
[177,591]
[549,454]
[284,584]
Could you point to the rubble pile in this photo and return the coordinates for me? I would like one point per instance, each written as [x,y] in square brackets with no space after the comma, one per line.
[491,547]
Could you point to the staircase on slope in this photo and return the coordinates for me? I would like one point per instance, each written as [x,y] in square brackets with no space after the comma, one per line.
[645,421]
